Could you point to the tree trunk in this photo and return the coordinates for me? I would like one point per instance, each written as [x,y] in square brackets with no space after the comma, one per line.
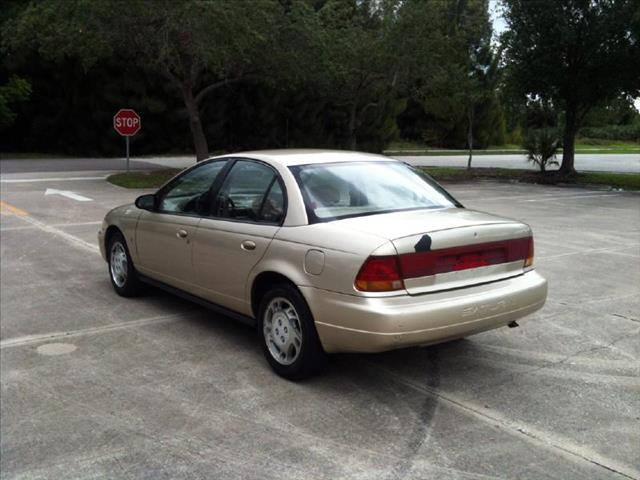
[199,140]
[470,137]
[569,143]
[352,126]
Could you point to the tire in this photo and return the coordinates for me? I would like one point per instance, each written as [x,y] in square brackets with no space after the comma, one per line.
[288,334]
[122,273]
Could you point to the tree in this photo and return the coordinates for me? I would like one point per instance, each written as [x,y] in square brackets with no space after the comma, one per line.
[574,53]
[472,28]
[358,61]
[453,69]
[15,90]
[199,46]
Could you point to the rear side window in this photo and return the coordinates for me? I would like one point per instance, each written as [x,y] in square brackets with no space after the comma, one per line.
[273,206]
[251,192]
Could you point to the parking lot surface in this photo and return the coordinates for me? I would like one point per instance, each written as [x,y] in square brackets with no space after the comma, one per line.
[97,386]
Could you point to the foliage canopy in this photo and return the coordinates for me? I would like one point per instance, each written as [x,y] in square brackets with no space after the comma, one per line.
[208,75]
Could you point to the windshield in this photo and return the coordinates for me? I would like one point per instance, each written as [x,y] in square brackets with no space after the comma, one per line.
[332,191]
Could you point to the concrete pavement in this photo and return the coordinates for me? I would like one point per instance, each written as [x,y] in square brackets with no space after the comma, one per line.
[97,386]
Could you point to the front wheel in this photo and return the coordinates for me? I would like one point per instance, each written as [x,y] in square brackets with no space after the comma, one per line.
[123,275]
[289,338]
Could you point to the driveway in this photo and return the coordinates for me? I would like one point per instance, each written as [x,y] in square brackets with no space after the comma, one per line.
[97,386]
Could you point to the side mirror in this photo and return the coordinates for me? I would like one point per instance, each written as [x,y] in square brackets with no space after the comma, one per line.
[146,202]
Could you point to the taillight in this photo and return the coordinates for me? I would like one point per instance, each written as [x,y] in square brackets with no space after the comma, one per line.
[379,274]
[453,259]
[387,273]
[528,262]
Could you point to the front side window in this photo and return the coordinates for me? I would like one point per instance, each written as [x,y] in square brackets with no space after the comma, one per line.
[251,192]
[333,191]
[189,193]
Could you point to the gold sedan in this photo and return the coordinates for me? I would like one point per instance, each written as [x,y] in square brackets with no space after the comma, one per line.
[325,251]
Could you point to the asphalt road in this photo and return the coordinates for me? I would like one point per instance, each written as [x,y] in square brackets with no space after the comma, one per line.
[622,163]
[64,165]
[97,386]
[627,163]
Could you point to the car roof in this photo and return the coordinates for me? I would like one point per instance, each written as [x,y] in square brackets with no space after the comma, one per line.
[293,156]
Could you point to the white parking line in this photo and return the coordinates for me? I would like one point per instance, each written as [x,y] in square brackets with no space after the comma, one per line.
[50,179]
[71,239]
[540,197]
[46,337]
[594,250]
[562,197]
[629,366]
[529,432]
[630,380]
[68,194]
[30,227]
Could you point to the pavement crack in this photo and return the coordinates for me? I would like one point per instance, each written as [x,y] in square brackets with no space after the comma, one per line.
[564,360]
[549,440]
[625,317]
[422,429]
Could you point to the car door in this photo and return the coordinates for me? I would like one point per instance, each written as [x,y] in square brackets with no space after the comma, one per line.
[247,212]
[164,237]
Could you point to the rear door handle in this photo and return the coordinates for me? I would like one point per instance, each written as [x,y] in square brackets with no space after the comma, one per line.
[248,245]
[182,233]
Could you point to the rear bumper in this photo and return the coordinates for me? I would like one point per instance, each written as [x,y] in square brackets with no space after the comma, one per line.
[349,323]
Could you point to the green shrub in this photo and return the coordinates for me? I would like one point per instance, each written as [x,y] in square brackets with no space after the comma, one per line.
[613,132]
[541,146]
[515,136]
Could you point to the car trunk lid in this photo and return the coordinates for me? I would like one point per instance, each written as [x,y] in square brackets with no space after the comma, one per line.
[452,248]
[463,256]
[403,224]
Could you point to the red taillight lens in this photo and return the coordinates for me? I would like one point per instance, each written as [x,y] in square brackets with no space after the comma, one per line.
[528,262]
[379,274]
[387,273]
[424,264]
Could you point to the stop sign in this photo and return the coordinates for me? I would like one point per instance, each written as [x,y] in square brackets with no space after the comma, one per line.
[126,122]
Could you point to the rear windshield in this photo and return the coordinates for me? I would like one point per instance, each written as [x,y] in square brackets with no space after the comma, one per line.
[333,191]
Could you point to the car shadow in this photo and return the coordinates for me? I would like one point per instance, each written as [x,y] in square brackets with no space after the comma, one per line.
[342,365]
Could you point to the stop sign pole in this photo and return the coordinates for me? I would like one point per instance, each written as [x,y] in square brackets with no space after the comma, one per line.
[127,123]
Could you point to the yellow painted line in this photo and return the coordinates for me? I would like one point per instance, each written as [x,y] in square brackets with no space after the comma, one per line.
[7,208]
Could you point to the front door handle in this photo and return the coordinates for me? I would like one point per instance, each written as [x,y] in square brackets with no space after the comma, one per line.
[182,233]
[248,245]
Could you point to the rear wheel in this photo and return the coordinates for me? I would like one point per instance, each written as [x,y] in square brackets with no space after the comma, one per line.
[124,277]
[289,338]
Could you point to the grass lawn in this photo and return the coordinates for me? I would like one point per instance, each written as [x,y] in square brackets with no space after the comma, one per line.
[152,179]
[626,181]
[584,145]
